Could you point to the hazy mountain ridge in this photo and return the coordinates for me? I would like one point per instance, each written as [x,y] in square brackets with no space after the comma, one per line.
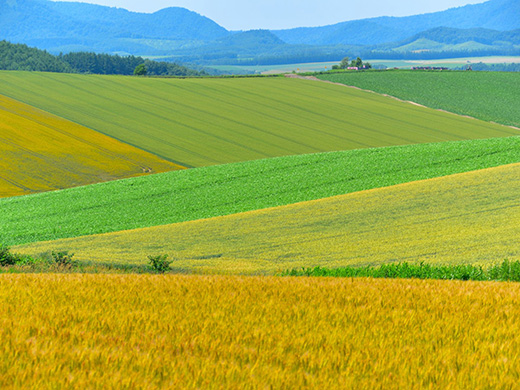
[499,15]
[186,36]
[57,25]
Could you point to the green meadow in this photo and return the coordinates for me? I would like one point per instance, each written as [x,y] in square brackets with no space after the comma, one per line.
[490,96]
[232,188]
[202,122]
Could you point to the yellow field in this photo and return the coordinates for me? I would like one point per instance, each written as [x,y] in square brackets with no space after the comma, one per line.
[465,218]
[42,152]
[147,332]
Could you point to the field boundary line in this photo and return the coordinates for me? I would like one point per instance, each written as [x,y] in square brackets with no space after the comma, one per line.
[314,78]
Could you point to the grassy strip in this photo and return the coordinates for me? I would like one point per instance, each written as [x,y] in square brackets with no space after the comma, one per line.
[506,271]
[201,122]
[63,262]
[490,96]
[228,189]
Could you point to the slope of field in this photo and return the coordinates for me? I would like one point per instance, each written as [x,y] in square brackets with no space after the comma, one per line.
[199,122]
[465,218]
[151,332]
[208,192]
[490,96]
[42,152]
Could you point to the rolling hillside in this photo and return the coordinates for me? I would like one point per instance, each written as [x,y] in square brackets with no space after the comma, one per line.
[42,152]
[200,122]
[232,188]
[465,218]
[487,96]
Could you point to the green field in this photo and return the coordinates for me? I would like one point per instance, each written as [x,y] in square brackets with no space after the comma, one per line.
[227,189]
[200,122]
[465,218]
[490,96]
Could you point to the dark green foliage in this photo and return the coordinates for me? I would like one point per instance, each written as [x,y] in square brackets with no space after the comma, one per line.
[162,68]
[140,70]
[506,271]
[160,263]
[94,63]
[344,64]
[9,259]
[6,257]
[22,57]
[63,259]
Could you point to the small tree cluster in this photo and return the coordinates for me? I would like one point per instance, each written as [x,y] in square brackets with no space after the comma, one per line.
[357,63]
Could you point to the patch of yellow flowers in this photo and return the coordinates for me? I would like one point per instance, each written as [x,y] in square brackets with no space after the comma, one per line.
[167,331]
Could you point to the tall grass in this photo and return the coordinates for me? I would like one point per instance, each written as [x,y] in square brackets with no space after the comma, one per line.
[186,332]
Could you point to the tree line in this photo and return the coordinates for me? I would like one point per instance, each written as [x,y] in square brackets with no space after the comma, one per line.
[22,57]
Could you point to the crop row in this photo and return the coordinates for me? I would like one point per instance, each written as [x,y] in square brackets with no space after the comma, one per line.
[200,122]
[42,152]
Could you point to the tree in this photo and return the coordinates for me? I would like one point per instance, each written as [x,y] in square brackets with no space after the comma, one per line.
[358,63]
[344,63]
[140,70]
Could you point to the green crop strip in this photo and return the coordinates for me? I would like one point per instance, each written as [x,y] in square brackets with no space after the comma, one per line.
[490,96]
[505,271]
[227,189]
[202,122]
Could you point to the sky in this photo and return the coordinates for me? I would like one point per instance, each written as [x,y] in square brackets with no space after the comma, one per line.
[281,14]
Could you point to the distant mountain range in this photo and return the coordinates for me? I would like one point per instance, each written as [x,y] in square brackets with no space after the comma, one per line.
[501,15]
[492,27]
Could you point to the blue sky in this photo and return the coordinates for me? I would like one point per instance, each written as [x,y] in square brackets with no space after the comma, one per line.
[278,14]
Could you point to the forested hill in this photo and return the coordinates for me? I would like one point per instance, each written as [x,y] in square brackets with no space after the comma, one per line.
[64,26]
[22,57]
[499,15]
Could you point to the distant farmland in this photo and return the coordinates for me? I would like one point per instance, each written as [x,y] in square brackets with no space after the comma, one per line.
[490,96]
[42,152]
[232,188]
[200,122]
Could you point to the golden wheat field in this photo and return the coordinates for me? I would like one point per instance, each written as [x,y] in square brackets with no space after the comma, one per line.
[77,331]
[42,152]
[465,218]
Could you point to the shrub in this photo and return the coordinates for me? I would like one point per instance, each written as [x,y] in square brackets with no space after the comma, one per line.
[63,259]
[160,263]
[6,257]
